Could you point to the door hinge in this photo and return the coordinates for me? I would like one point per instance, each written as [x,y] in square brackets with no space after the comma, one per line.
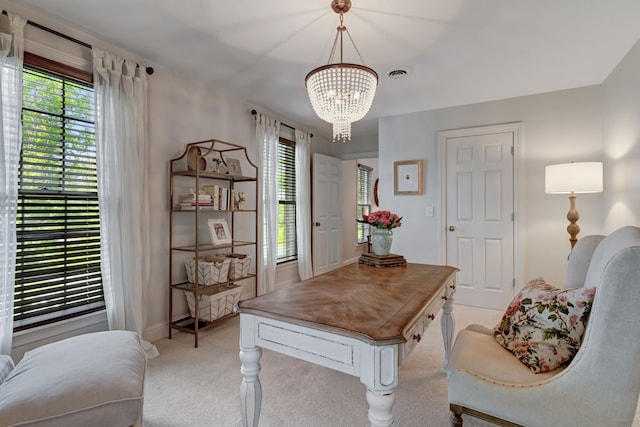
[513,216]
[512,150]
[514,283]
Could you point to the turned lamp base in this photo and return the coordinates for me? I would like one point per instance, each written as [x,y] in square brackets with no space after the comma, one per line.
[573,216]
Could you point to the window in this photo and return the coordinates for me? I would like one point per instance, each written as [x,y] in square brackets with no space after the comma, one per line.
[364,200]
[287,245]
[58,224]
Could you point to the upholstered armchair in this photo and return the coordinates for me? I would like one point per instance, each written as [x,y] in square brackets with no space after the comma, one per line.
[598,387]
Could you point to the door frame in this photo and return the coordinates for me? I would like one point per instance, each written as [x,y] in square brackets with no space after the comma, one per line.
[518,211]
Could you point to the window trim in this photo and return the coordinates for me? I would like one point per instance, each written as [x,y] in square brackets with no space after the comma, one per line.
[63,70]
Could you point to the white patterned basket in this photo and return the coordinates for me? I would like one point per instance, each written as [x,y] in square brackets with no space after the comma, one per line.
[214,301]
[210,272]
[239,267]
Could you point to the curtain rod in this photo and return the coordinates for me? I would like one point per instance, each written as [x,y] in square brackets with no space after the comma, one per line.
[149,70]
[254,112]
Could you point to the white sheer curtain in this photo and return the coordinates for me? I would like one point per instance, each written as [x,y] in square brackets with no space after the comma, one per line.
[11,57]
[121,153]
[267,134]
[303,204]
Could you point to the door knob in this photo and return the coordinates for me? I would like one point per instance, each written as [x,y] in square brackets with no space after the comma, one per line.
[451,228]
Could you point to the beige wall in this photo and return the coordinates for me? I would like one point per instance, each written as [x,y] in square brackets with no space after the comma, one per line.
[597,123]
[557,127]
[622,143]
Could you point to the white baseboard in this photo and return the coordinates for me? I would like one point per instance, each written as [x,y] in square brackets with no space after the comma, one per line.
[351,261]
[156,332]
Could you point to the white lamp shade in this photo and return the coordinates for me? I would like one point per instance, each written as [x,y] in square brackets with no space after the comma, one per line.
[582,177]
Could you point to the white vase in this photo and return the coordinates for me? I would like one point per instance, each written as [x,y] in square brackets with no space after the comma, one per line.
[381,240]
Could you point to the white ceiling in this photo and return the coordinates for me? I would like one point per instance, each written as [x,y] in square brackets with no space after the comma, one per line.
[456,51]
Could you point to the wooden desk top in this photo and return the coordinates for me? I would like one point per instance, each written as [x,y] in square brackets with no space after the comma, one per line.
[368,303]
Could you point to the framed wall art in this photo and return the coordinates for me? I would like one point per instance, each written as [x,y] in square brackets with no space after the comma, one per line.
[407,177]
[219,229]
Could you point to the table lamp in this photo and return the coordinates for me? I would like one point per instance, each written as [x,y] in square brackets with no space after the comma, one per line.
[572,178]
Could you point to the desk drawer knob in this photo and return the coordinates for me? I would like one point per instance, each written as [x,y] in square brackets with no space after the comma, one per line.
[417,337]
[444,297]
[431,316]
[452,286]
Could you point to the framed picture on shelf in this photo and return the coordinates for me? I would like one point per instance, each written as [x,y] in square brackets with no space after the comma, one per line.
[407,177]
[219,229]
[234,166]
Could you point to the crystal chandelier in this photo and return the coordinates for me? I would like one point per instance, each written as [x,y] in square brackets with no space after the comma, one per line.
[341,93]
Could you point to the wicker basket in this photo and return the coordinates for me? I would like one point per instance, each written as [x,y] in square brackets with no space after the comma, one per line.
[214,301]
[239,267]
[211,271]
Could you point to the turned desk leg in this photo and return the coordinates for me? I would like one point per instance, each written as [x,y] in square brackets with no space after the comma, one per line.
[380,406]
[250,390]
[448,327]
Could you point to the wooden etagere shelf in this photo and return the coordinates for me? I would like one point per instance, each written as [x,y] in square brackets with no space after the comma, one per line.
[206,168]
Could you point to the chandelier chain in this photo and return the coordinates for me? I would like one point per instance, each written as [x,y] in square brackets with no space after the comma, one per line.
[333,49]
[354,45]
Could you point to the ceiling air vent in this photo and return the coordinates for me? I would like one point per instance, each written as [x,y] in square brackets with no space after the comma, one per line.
[397,74]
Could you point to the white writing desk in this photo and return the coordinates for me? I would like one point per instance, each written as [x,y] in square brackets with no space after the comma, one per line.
[358,319]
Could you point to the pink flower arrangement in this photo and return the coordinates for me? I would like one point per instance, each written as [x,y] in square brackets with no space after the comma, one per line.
[381,219]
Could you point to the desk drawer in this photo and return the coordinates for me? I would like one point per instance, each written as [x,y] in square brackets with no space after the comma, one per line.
[414,337]
[451,286]
[416,331]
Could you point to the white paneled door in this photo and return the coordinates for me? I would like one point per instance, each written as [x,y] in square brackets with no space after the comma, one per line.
[479,225]
[327,213]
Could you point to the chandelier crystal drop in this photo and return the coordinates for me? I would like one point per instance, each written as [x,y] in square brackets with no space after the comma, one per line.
[341,93]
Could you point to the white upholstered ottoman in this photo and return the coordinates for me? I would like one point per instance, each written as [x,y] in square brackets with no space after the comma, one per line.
[92,380]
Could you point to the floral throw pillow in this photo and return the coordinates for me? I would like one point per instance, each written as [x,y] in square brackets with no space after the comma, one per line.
[543,325]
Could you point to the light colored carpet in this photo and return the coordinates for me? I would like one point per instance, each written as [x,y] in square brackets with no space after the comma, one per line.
[189,387]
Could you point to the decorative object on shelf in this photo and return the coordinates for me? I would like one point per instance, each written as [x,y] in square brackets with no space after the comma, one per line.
[572,178]
[201,200]
[240,265]
[234,166]
[407,177]
[214,192]
[240,200]
[214,162]
[381,236]
[214,302]
[219,229]
[212,270]
[194,160]
[341,93]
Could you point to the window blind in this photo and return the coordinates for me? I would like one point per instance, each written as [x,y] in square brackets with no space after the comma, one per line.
[287,246]
[58,223]
[364,200]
